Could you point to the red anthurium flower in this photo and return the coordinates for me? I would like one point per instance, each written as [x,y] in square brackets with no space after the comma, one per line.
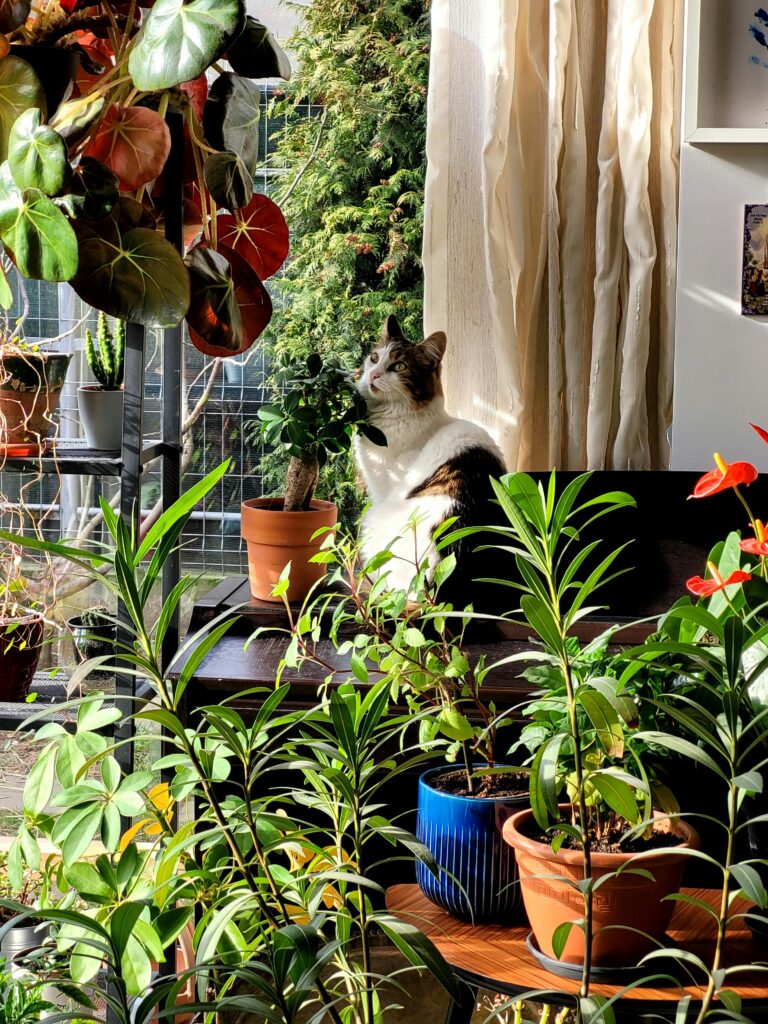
[762,434]
[723,477]
[758,545]
[714,582]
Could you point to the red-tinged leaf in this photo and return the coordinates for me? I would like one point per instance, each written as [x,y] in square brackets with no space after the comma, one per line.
[197,90]
[91,68]
[134,142]
[258,233]
[253,302]
[213,310]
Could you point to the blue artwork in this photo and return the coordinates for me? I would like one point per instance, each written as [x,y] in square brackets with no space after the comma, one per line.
[758,31]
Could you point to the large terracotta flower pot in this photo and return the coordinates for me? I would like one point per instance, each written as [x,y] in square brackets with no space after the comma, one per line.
[20,644]
[275,537]
[630,900]
[30,388]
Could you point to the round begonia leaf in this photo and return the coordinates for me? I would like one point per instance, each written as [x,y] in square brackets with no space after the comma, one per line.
[134,142]
[37,154]
[13,13]
[258,233]
[20,90]
[228,180]
[231,118]
[129,271]
[213,311]
[36,235]
[74,119]
[253,302]
[93,191]
[256,53]
[180,39]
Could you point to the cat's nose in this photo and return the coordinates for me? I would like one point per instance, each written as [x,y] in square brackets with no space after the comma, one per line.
[374,376]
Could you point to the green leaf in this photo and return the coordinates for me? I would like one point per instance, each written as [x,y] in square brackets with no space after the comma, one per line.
[39,785]
[130,272]
[92,192]
[444,569]
[35,232]
[454,725]
[180,39]
[86,880]
[681,746]
[605,720]
[135,967]
[37,154]
[231,118]
[228,180]
[417,949]
[619,796]
[750,883]
[544,784]
[256,54]
[75,118]
[560,937]
[20,90]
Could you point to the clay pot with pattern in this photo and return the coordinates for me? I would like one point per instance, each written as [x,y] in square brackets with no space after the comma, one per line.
[30,389]
[631,900]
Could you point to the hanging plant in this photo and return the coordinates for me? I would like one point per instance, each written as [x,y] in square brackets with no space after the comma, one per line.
[84,92]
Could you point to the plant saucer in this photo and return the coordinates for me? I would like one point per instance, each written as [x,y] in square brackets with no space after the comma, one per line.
[602,975]
[24,450]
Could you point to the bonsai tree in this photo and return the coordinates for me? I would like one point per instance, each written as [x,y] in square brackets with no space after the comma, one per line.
[84,142]
[107,360]
[316,412]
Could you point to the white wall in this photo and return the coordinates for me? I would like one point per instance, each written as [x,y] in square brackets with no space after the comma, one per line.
[721,357]
[277,16]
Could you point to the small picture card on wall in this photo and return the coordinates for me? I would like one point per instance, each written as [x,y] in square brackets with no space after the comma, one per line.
[754,284]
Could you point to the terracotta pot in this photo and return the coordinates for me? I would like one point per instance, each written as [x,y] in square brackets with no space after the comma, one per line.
[630,900]
[19,656]
[275,537]
[30,388]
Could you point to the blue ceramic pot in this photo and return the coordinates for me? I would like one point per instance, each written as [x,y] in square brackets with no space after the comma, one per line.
[478,876]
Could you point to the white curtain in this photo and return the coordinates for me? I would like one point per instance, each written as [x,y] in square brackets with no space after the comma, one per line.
[549,248]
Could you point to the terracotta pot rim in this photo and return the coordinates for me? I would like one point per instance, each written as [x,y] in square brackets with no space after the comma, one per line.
[425,777]
[272,505]
[518,840]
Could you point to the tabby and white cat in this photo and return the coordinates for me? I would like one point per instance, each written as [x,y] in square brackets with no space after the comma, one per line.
[434,465]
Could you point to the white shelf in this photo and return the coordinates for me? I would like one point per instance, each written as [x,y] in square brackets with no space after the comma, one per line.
[726,74]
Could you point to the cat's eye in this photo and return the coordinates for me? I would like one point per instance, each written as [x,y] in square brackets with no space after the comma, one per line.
[374,357]
[397,367]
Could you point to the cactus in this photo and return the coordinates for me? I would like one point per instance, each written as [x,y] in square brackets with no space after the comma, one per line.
[106,359]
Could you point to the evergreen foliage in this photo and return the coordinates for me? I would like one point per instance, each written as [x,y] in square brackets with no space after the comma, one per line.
[354,188]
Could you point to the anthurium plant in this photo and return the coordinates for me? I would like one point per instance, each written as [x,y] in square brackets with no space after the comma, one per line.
[716,641]
[84,142]
[270,883]
[315,414]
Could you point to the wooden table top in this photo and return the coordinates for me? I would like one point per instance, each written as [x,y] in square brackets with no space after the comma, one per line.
[498,955]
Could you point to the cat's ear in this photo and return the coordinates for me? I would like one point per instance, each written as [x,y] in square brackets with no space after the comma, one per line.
[434,347]
[391,328]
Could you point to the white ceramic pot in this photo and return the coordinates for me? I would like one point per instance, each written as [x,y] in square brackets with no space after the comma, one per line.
[101,413]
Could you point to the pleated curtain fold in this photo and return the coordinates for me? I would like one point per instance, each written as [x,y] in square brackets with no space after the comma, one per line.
[549,247]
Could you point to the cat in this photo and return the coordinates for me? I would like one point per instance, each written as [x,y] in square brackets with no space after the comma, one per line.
[433,467]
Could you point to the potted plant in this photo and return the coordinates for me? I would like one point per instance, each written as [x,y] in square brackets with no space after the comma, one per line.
[84,143]
[403,639]
[313,418]
[94,633]
[21,628]
[101,404]
[21,1000]
[583,752]
[28,933]
[31,380]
